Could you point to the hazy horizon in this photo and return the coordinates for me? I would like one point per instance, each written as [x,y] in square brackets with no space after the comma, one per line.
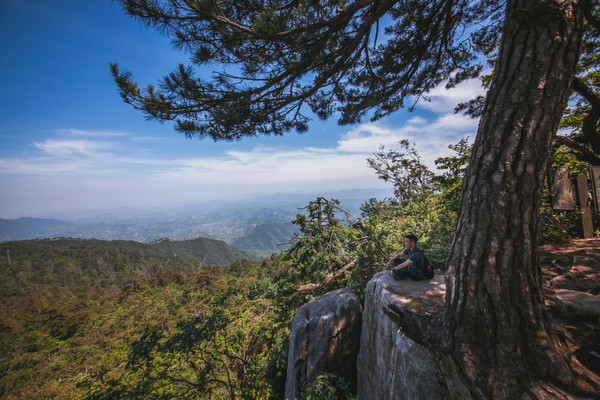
[182,207]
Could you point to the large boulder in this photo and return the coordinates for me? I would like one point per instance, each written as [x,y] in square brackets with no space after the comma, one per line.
[325,338]
[390,365]
[577,304]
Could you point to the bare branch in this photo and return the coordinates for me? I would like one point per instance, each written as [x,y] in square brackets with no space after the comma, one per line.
[328,278]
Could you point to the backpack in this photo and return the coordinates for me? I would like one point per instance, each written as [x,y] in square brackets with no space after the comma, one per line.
[428,270]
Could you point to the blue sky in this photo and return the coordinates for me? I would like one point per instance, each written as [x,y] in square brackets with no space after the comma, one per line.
[67,140]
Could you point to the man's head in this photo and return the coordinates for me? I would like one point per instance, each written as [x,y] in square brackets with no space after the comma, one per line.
[410,241]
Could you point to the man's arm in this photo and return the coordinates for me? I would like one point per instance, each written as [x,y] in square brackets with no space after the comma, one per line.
[390,263]
[413,258]
[406,263]
[403,265]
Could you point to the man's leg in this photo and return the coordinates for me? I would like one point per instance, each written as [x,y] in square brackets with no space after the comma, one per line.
[404,273]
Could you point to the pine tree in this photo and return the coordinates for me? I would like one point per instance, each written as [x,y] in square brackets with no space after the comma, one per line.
[368,58]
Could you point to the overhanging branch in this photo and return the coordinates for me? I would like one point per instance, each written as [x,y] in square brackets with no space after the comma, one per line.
[589,16]
[589,128]
[578,150]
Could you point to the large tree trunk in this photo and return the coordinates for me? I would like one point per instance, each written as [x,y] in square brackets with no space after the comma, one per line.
[499,334]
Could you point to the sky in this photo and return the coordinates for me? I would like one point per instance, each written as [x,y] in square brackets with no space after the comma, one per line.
[68,141]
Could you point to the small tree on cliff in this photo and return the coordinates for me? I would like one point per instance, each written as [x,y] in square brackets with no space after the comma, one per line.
[331,56]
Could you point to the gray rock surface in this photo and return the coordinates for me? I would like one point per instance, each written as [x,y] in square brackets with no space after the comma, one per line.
[390,365]
[573,304]
[325,338]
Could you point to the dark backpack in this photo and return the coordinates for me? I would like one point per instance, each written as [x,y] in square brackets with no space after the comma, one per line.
[428,270]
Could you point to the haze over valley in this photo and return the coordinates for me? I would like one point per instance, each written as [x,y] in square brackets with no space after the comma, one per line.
[260,226]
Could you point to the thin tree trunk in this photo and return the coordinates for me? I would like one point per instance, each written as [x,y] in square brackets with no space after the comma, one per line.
[499,334]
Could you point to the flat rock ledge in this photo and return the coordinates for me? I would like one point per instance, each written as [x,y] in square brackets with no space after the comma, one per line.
[571,304]
[325,338]
[390,365]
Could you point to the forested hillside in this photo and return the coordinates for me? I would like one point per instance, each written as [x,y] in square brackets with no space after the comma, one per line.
[266,239]
[208,251]
[68,319]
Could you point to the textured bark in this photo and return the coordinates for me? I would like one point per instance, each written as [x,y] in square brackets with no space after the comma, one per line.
[499,339]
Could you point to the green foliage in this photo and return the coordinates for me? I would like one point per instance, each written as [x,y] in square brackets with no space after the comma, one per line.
[558,226]
[412,180]
[93,321]
[321,246]
[210,251]
[266,239]
[328,387]
[453,168]
[432,215]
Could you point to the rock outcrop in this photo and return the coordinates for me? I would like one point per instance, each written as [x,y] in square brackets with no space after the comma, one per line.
[571,304]
[325,337]
[390,365]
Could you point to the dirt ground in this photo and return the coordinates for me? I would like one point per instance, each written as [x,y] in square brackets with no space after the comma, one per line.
[574,265]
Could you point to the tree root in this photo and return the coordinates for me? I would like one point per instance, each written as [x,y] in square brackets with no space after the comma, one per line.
[428,332]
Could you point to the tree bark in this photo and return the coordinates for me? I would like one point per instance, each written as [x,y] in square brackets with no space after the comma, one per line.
[499,337]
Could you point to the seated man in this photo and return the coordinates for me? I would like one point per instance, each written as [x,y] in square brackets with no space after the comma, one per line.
[413,267]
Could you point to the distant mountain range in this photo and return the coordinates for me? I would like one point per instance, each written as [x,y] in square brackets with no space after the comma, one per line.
[31,228]
[210,251]
[266,239]
[258,226]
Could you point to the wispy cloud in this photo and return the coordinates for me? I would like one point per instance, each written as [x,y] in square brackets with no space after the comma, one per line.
[90,133]
[269,170]
[430,137]
[70,148]
[443,101]
[47,167]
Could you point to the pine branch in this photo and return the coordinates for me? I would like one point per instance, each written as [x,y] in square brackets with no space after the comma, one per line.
[579,150]
[588,8]
[589,127]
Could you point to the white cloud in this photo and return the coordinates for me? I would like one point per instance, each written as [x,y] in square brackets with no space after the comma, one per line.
[49,167]
[261,170]
[444,101]
[75,158]
[416,120]
[367,138]
[83,132]
[431,138]
[69,148]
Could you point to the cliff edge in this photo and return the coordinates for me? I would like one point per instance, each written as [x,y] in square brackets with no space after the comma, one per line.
[390,365]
